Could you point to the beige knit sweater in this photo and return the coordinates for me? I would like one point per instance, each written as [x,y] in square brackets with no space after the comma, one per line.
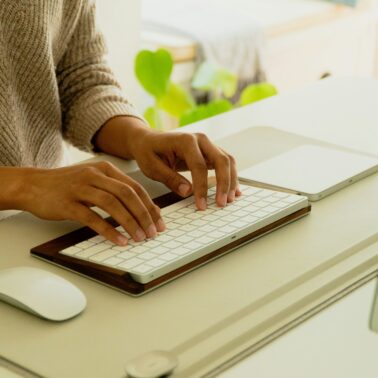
[54,82]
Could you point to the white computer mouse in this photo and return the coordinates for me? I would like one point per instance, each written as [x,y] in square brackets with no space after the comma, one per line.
[41,293]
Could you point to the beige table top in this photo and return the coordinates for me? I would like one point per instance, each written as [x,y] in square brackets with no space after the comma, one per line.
[237,303]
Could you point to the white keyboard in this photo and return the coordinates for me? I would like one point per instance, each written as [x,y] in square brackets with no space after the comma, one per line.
[190,233]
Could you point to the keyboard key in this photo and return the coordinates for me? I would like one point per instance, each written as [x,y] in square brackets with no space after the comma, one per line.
[140,249]
[172,244]
[176,233]
[129,264]
[146,256]
[291,199]
[280,205]
[208,228]
[142,269]
[168,256]
[182,221]
[122,248]
[281,195]
[196,233]
[113,261]
[260,214]
[210,217]
[152,243]
[134,243]
[184,239]
[160,250]
[85,253]
[248,190]
[205,240]
[84,244]
[199,223]
[70,251]
[219,223]
[218,234]
[95,249]
[125,255]
[196,215]
[182,251]
[163,237]
[186,210]
[156,262]
[264,193]
[172,226]
[270,209]
[229,229]
[97,239]
[188,227]
[104,255]
[193,245]
[174,215]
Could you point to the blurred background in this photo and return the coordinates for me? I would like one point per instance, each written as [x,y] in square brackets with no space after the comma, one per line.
[288,43]
[292,42]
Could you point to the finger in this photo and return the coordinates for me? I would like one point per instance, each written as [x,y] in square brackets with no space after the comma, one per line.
[189,150]
[159,171]
[222,165]
[89,218]
[125,188]
[129,199]
[234,183]
[109,203]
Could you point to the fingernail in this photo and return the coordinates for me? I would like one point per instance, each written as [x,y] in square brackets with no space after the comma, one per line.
[222,199]
[231,196]
[140,235]
[184,189]
[121,240]
[160,225]
[151,231]
[238,191]
[202,204]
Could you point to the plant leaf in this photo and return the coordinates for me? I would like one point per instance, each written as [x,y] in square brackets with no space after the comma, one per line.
[257,92]
[176,100]
[153,70]
[218,80]
[152,116]
[205,111]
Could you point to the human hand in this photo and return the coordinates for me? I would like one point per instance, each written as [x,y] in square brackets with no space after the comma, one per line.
[162,155]
[69,193]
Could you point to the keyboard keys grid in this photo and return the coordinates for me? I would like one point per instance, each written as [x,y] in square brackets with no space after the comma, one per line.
[190,233]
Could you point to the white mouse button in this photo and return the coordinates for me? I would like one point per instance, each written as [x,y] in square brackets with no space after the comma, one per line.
[152,365]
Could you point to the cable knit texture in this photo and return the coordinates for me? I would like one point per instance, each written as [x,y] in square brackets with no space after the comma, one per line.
[54,81]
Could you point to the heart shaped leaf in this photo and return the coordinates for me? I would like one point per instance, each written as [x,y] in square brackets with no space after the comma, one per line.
[153,70]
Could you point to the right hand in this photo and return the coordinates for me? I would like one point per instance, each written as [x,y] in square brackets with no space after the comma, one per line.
[68,193]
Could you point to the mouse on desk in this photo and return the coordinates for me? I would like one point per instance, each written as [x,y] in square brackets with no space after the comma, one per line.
[41,293]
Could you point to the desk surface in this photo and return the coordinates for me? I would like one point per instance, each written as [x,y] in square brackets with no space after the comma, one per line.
[190,316]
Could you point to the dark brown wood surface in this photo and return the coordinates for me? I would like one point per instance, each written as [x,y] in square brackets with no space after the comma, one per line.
[122,280]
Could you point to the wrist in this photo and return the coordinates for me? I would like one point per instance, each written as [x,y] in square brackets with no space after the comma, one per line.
[14,191]
[121,136]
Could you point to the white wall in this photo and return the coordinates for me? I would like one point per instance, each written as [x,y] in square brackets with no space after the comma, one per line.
[119,20]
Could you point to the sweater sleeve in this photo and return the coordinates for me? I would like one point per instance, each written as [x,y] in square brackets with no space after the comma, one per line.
[89,93]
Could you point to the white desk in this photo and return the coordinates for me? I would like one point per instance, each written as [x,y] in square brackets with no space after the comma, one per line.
[285,280]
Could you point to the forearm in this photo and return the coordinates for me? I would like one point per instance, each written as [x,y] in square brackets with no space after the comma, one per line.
[121,135]
[13,187]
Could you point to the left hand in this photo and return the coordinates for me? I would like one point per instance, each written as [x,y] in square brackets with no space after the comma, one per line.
[161,155]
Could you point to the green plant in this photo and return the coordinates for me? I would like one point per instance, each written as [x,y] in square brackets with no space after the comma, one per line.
[154,70]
